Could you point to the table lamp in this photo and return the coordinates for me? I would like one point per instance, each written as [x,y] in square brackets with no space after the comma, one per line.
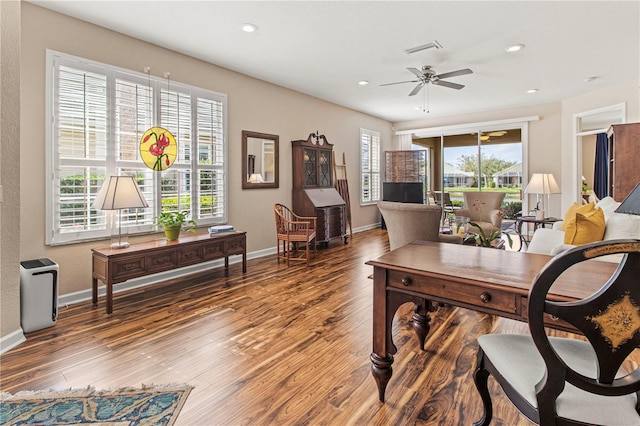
[118,193]
[542,184]
[256,178]
[631,204]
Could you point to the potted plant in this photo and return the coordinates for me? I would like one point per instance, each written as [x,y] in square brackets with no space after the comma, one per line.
[484,240]
[173,222]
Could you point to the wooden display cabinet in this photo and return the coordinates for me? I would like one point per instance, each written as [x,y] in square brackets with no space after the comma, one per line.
[624,162]
[313,190]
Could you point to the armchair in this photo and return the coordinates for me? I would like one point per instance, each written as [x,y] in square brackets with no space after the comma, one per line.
[292,229]
[484,209]
[407,222]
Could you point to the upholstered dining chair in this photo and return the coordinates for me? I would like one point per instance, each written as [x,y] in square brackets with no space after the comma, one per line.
[407,222]
[571,381]
[292,230]
[484,209]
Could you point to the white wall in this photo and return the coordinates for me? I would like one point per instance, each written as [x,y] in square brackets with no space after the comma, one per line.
[10,169]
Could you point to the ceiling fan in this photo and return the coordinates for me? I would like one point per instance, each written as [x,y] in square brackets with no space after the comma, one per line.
[429,75]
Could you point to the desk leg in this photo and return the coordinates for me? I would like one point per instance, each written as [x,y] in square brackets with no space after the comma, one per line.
[244,262]
[382,372]
[421,320]
[226,266]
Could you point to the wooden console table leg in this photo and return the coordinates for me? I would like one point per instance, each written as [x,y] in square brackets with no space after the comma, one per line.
[109,297]
[226,266]
[244,262]
[94,290]
[381,370]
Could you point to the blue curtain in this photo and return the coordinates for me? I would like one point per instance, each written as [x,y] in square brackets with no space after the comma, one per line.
[601,171]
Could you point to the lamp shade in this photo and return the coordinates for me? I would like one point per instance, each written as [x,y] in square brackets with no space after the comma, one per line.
[542,183]
[256,178]
[119,192]
[631,204]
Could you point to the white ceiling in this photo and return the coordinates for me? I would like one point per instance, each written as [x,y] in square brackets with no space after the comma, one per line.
[324,48]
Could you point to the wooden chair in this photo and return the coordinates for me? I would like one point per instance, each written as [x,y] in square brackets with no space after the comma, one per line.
[291,230]
[569,381]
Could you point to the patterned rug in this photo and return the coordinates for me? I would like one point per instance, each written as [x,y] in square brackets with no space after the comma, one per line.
[149,405]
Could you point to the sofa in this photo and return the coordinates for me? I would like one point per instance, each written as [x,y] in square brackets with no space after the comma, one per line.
[616,225]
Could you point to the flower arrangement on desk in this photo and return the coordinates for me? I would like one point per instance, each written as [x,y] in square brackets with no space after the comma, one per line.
[484,240]
[173,222]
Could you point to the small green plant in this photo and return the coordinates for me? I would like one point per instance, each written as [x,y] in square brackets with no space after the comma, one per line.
[484,240]
[175,219]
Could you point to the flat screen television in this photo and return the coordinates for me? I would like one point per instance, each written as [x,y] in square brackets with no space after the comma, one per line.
[403,192]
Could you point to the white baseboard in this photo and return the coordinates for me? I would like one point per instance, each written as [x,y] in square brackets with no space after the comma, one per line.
[11,340]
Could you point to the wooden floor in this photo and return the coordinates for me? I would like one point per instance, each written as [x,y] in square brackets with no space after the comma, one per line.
[275,346]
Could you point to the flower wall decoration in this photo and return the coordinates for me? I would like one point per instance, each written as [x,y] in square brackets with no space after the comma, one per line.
[158,148]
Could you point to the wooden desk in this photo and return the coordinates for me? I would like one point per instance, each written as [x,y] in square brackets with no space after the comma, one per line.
[483,279]
[113,266]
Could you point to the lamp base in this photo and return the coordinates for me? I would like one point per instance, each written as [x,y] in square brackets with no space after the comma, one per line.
[119,245]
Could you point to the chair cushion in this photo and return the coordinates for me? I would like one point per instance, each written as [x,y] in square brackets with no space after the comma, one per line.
[585,227]
[519,362]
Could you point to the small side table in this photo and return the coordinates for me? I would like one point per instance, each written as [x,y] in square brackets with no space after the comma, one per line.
[537,223]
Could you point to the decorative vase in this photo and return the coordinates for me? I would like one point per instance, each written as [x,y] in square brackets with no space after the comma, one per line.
[172,233]
[539,214]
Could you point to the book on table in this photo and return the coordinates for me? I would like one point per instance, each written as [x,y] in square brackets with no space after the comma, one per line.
[213,230]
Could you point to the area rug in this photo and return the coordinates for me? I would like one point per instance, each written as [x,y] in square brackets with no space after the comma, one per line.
[149,405]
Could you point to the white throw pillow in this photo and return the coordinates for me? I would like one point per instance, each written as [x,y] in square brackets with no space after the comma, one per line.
[622,225]
[608,206]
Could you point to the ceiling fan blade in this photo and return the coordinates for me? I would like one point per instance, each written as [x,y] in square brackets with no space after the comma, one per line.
[416,89]
[455,73]
[448,84]
[416,71]
[400,82]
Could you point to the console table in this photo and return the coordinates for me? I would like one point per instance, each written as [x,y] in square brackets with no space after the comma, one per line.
[112,266]
[487,280]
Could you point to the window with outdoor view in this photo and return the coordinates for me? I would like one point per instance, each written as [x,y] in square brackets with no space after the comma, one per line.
[369,166]
[98,115]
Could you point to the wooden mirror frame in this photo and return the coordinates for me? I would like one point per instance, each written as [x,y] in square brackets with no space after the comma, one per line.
[247,138]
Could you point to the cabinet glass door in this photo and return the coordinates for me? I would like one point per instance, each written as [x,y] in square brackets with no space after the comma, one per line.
[325,168]
[310,170]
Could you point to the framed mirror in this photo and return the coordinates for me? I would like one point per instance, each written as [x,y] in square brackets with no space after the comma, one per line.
[260,165]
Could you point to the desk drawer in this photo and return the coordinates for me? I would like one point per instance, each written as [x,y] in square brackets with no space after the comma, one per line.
[550,321]
[456,293]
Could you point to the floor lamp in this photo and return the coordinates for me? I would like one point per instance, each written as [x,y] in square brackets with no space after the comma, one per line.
[118,193]
[543,184]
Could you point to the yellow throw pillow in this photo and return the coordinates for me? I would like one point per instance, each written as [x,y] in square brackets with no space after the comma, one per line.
[570,215]
[586,228]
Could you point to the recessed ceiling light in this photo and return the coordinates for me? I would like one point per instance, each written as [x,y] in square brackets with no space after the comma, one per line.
[418,108]
[363,82]
[532,90]
[248,28]
[514,48]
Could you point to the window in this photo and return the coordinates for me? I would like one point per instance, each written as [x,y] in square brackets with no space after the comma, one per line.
[369,166]
[99,114]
